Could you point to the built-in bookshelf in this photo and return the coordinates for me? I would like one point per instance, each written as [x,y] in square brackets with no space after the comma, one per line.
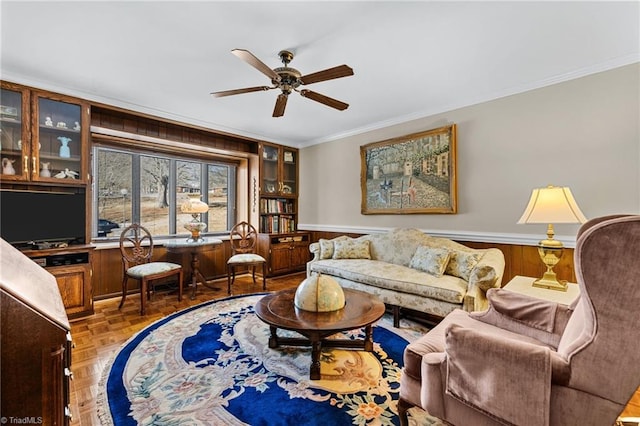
[278,189]
[277,215]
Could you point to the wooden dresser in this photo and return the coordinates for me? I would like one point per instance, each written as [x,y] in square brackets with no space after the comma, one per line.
[35,343]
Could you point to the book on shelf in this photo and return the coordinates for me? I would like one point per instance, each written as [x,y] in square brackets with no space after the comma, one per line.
[275,205]
[277,224]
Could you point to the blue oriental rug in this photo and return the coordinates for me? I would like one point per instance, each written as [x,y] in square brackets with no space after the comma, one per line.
[211,365]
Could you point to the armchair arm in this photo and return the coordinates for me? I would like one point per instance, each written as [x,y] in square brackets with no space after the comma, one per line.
[508,380]
[540,319]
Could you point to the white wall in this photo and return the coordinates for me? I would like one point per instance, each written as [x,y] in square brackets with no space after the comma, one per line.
[583,133]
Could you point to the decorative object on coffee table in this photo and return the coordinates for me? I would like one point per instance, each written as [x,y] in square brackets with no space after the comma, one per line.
[319,293]
[361,310]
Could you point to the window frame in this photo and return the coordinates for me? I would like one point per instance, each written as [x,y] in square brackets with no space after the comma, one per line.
[205,162]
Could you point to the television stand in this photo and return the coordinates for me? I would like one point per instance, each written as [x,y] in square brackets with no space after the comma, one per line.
[71,266]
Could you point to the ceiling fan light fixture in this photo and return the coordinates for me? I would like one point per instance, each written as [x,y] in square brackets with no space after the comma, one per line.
[288,79]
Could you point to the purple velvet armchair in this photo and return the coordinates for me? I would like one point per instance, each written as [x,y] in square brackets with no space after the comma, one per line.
[526,361]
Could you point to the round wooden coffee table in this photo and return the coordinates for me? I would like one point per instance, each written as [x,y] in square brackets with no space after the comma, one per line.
[361,310]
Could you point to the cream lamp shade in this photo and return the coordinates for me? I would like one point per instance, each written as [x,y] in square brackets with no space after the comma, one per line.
[194,206]
[551,205]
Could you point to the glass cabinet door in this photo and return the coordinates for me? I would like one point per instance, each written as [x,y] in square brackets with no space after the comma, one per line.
[58,144]
[270,181]
[14,131]
[289,172]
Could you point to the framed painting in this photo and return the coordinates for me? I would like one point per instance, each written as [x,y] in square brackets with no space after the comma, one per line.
[413,174]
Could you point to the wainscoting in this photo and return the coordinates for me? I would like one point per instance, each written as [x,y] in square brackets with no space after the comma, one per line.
[519,259]
[107,264]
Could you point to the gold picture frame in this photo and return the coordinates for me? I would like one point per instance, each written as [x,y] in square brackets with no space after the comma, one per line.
[412,174]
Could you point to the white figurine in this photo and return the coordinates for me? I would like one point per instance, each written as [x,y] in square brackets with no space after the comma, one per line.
[76,126]
[45,170]
[48,122]
[66,173]
[7,167]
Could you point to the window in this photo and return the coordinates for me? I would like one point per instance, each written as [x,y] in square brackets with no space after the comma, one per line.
[149,188]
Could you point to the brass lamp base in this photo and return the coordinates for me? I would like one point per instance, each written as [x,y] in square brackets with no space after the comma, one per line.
[550,282]
[550,252]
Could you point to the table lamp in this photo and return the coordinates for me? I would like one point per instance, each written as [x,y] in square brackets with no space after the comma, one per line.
[551,205]
[194,206]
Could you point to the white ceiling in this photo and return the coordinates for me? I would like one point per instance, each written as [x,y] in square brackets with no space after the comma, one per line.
[411,59]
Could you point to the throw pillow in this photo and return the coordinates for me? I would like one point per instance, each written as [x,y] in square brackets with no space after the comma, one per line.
[351,249]
[462,263]
[326,248]
[430,260]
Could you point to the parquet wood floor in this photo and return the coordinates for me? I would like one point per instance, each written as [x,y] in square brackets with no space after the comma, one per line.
[97,338]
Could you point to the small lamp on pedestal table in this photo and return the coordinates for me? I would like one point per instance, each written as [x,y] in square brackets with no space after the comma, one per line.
[194,206]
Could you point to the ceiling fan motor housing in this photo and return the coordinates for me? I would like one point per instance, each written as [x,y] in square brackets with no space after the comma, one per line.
[289,79]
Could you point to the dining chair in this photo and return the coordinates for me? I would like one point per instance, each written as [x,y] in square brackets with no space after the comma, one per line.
[136,247]
[244,239]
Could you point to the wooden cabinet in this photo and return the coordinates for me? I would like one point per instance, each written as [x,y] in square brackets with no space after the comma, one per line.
[278,189]
[278,170]
[14,132]
[35,344]
[285,253]
[72,269]
[44,137]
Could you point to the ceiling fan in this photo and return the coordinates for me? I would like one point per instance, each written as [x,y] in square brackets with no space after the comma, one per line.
[288,80]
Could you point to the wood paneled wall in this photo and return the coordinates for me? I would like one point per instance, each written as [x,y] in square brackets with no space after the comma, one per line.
[519,259]
[135,123]
[108,273]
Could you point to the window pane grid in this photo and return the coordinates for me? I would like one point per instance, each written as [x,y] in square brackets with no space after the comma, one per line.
[149,189]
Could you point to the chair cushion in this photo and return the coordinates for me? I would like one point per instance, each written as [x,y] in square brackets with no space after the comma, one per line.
[392,277]
[152,268]
[238,259]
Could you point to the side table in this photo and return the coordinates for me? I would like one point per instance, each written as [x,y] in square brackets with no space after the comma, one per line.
[522,285]
[194,248]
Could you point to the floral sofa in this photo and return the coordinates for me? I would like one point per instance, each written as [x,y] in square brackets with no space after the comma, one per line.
[407,268]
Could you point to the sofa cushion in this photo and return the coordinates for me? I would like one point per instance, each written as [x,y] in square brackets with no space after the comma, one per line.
[351,249]
[430,260]
[394,277]
[326,248]
[462,263]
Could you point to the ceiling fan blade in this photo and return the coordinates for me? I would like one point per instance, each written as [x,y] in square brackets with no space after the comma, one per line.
[240,91]
[328,74]
[250,58]
[333,103]
[281,103]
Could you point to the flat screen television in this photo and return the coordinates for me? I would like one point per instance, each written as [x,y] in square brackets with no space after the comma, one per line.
[28,218]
